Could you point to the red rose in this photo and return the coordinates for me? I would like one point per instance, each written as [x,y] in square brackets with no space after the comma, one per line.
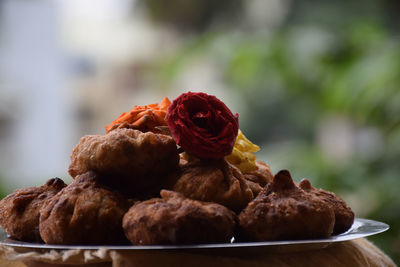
[202,125]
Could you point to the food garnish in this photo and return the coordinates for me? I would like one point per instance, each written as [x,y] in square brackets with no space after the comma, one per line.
[243,154]
[202,125]
[144,118]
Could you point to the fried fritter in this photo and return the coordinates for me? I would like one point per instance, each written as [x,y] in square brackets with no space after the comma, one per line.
[155,129]
[84,212]
[262,175]
[213,181]
[282,211]
[19,211]
[134,160]
[174,219]
[259,178]
[254,187]
[344,216]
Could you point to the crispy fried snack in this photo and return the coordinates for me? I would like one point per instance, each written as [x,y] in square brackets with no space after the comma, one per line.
[135,160]
[84,212]
[19,211]
[213,181]
[254,187]
[174,219]
[344,216]
[259,178]
[283,211]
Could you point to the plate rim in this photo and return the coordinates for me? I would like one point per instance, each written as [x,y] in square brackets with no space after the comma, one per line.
[348,235]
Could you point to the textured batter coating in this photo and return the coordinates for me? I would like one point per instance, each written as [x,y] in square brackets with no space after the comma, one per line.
[213,181]
[19,211]
[137,160]
[344,216]
[259,178]
[175,219]
[282,211]
[254,187]
[84,212]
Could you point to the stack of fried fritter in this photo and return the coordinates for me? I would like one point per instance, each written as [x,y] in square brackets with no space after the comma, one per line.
[203,201]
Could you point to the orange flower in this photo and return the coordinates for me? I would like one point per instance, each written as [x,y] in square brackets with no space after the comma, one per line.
[144,118]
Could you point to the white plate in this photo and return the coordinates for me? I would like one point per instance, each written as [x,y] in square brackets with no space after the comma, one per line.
[360,228]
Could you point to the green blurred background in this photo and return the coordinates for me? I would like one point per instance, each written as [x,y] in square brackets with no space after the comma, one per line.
[316,84]
[320,90]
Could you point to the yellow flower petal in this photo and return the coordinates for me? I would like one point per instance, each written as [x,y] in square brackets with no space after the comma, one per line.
[242,155]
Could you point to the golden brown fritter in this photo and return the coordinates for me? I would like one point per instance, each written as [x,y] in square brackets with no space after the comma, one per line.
[344,216]
[262,175]
[282,211]
[143,128]
[259,178]
[134,159]
[213,181]
[174,219]
[84,212]
[19,211]
[254,187]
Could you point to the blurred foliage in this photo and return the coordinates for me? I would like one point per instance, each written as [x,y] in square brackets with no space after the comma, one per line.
[2,191]
[195,15]
[295,79]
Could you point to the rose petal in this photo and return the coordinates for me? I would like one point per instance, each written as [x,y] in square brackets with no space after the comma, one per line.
[202,125]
